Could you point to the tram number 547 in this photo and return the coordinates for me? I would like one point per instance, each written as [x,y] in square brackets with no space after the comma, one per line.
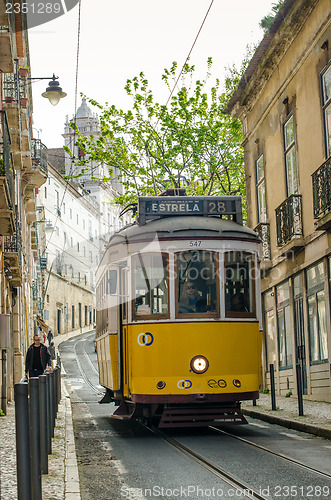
[195,243]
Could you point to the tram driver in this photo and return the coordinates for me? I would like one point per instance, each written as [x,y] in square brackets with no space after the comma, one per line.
[191,300]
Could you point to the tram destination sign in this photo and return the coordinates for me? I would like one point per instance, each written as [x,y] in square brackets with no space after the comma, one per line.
[170,206]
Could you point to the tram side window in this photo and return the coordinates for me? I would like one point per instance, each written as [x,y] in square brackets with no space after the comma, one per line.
[151,290]
[239,284]
[196,282]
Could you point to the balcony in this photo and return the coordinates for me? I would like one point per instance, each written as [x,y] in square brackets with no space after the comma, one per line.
[39,163]
[263,230]
[16,97]
[322,195]
[57,211]
[289,224]
[12,255]
[7,182]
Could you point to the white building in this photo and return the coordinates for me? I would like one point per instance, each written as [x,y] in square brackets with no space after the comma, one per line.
[72,250]
[80,217]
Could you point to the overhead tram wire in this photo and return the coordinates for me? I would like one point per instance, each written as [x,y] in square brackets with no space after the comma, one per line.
[187,58]
[190,52]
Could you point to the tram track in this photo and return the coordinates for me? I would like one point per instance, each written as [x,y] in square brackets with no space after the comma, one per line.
[232,481]
[279,455]
[81,368]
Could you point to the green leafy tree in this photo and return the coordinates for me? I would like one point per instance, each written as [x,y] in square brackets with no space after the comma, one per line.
[188,142]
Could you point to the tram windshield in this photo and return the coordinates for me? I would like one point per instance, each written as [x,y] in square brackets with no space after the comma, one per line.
[196,282]
[151,297]
[239,284]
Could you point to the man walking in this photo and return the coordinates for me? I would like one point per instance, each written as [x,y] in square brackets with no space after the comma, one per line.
[49,336]
[37,358]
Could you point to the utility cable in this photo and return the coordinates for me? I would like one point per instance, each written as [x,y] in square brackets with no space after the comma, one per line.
[190,52]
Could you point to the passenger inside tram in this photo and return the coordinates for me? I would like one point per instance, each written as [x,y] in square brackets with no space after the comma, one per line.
[238,303]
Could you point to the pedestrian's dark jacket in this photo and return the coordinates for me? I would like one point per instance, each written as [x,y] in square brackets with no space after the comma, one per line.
[44,357]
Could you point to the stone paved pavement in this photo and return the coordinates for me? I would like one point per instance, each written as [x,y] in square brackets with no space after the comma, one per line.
[316,419]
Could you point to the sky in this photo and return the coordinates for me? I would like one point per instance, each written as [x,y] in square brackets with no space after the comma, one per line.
[121,38]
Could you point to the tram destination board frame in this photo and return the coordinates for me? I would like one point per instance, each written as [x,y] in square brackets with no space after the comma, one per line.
[156,207]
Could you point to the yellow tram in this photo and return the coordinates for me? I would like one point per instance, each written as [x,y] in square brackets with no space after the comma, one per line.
[179,332]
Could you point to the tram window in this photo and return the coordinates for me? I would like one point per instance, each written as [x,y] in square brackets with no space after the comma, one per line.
[239,284]
[151,295]
[111,282]
[197,283]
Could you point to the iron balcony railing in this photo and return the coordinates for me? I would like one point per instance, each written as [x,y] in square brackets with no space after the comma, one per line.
[39,156]
[289,219]
[321,189]
[34,290]
[10,87]
[58,266]
[263,230]
[12,244]
[6,166]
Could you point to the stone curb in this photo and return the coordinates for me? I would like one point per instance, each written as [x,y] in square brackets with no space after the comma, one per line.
[290,424]
[71,479]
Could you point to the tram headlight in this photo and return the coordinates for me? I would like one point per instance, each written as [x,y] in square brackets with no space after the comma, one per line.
[236,383]
[199,364]
[161,384]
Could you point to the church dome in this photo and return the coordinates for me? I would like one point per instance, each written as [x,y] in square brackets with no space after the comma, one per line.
[84,111]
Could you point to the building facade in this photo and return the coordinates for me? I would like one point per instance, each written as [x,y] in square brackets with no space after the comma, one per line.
[70,218]
[284,104]
[22,172]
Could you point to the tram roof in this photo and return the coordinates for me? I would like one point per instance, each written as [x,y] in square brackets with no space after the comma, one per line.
[184,227]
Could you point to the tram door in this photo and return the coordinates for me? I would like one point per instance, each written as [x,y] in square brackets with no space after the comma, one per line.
[124,328]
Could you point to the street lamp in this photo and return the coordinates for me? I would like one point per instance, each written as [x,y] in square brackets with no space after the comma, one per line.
[53,92]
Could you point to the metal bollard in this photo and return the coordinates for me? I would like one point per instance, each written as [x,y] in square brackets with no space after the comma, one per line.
[299,388]
[59,371]
[34,424]
[272,384]
[43,424]
[51,402]
[49,423]
[22,442]
[55,391]
[58,382]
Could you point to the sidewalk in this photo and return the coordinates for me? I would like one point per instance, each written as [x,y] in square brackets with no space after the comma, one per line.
[316,419]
